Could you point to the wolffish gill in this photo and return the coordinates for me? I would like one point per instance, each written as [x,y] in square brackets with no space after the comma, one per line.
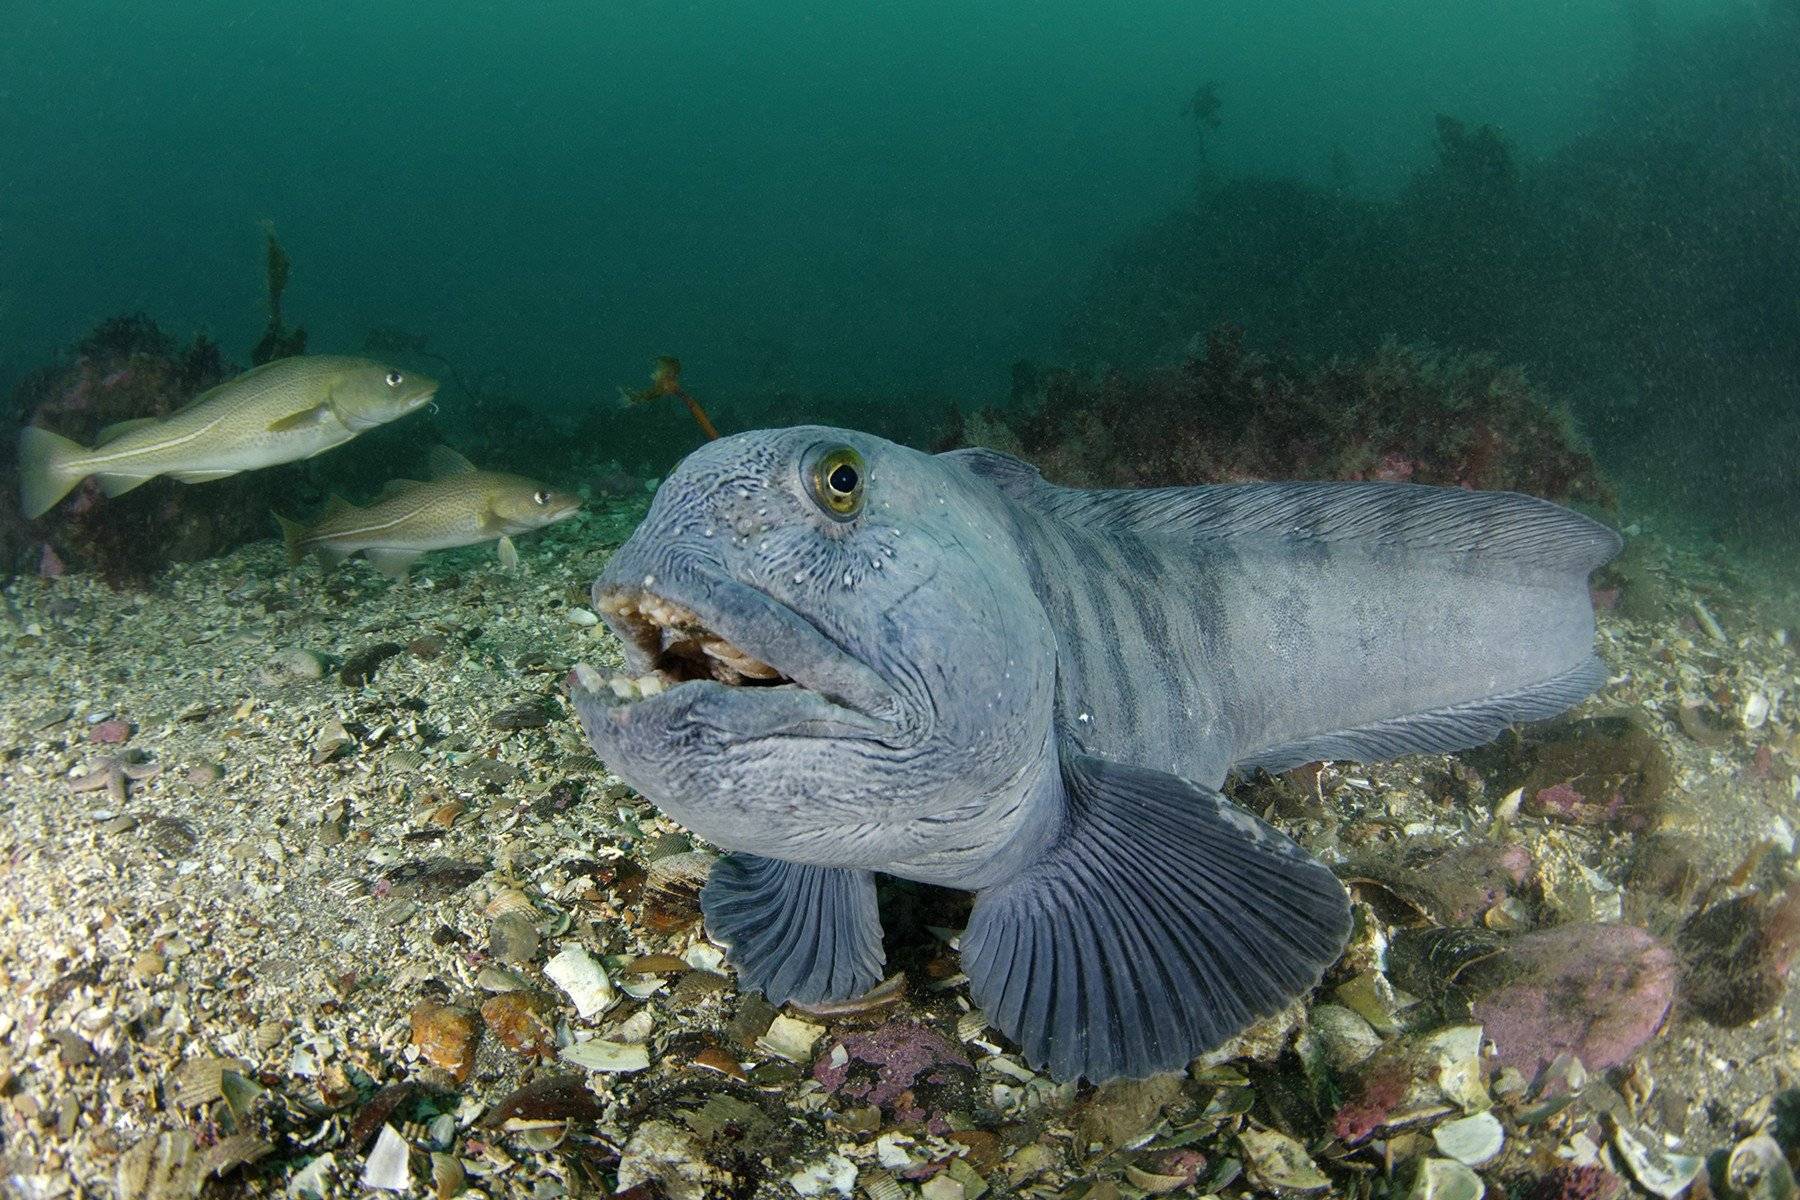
[847,657]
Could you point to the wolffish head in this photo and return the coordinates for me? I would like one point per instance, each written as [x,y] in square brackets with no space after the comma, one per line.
[833,652]
[366,394]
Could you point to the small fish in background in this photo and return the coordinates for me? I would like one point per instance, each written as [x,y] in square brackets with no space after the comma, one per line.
[459,506]
[280,412]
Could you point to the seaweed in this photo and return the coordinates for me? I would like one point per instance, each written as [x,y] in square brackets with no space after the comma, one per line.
[278,340]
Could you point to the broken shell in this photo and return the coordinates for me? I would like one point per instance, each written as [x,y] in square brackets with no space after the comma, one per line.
[200,1081]
[1346,1037]
[597,1054]
[971,1025]
[1276,1161]
[447,1177]
[1755,710]
[388,1168]
[791,1038]
[1446,1179]
[1758,1170]
[510,900]
[1662,1172]
[333,740]
[576,973]
[679,877]
[1471,1141]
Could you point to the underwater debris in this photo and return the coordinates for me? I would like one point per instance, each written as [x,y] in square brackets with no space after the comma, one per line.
[1597,992]
[665,380]
[1736,955]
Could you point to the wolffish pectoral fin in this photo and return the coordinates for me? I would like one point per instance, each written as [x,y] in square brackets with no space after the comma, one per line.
[793,931]
[1161,922]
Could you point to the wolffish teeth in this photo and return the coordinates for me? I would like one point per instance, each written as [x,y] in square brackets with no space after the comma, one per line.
[737,660]
[642,687]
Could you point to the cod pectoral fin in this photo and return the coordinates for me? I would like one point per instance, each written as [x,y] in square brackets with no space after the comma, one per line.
[304,419]
[795,932]
[1162,921]
[509,553]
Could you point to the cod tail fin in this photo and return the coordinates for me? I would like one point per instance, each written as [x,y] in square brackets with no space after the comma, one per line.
[45,475]
[293,538]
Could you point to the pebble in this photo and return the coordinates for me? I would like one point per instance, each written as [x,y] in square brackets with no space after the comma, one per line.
[292,665]
[202,774]
[148,965]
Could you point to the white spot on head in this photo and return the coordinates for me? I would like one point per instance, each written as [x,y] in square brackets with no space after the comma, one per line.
[649,582]
[1084,718]
[847,580]
[799,576]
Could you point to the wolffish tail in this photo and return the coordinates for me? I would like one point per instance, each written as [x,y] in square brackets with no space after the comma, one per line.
[44,474]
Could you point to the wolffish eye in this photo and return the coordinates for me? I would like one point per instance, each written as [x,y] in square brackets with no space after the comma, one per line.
[837,479]
[395,379]
[540,498]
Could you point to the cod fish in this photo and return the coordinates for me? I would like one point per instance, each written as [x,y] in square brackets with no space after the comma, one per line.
[846,657]
[290,409]
[458,506]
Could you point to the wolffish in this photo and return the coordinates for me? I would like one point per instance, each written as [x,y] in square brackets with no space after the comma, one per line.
[847,657]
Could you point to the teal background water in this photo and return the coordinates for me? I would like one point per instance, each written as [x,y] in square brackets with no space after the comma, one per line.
[885,198]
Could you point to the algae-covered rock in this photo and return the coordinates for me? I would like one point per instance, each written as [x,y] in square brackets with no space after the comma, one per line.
[1597,992]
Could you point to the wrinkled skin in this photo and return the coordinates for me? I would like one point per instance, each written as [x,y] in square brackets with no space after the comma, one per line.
[864,764]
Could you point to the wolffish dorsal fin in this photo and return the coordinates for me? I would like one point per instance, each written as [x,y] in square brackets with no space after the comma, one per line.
[1014,476]
[444,461]
[1501,526]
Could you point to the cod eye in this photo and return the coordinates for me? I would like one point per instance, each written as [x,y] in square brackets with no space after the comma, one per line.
[395,379]
[540,498]
[837,482]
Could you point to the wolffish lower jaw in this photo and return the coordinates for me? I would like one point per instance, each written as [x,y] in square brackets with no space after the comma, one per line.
[678,646]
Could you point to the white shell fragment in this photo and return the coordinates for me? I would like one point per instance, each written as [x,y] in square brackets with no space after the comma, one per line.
[1276,1161]
[1446,1179]
[1661,1172]
[1755,710]
[791,1038]
[576,973]
[1470,1140]
[834,1174]
[597,1054]
[387,1167]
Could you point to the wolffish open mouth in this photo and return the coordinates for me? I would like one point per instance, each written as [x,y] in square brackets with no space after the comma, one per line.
[678,647]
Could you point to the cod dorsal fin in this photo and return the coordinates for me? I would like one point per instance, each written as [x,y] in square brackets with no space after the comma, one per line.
[334,504]
[1161,921]
[444,461]
[119,429]
[394,486]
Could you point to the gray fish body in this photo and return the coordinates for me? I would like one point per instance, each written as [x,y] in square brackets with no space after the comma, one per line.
[978,680]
